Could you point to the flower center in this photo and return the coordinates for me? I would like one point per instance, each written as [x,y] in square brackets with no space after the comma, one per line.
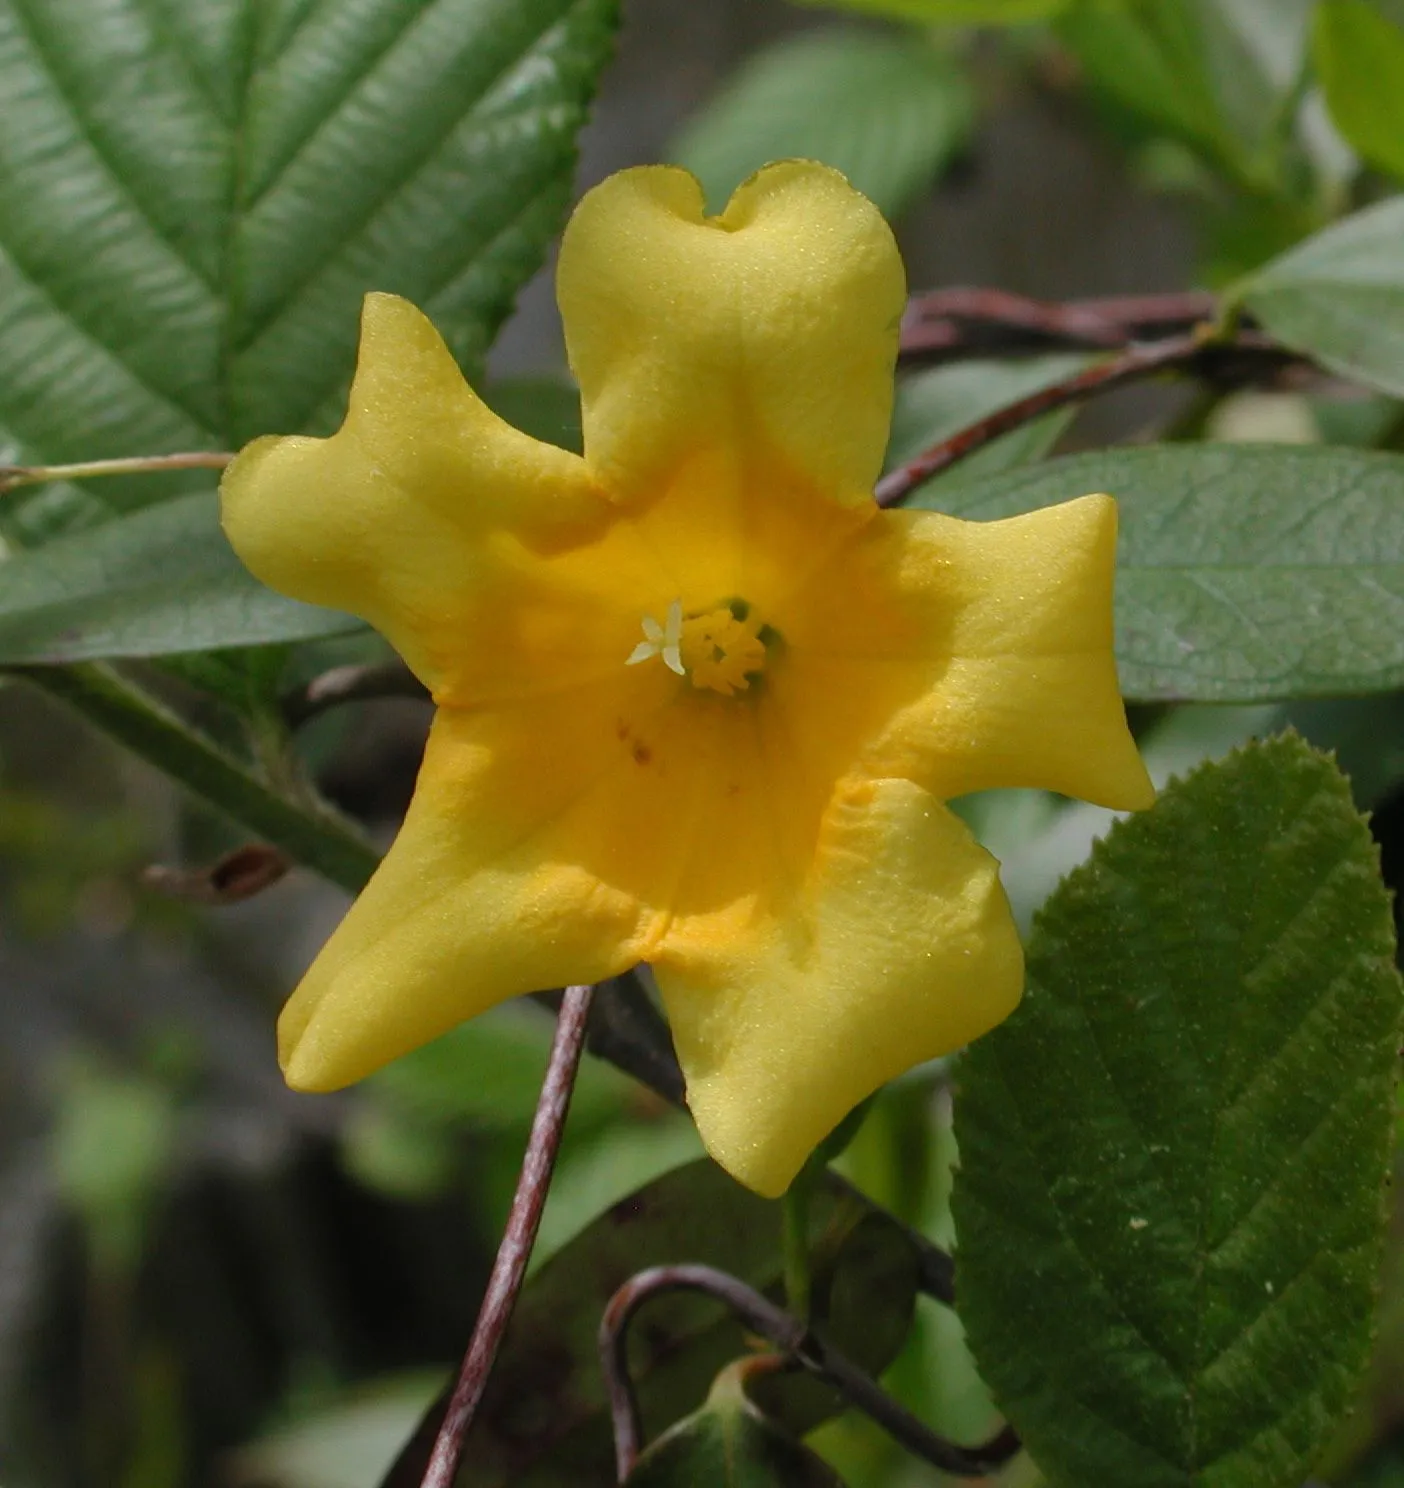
[722,649]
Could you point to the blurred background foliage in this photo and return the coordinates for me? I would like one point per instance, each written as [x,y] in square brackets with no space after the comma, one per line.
[205,1280]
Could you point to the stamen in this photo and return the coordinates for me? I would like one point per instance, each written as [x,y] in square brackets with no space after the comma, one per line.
[722,649]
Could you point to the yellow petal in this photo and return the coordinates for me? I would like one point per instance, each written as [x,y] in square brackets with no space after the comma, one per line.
[899,947]
[736,351]
[984,649]
[411,513]
[551,839]
[484,894]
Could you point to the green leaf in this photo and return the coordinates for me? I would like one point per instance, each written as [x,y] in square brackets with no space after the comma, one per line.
[1214,74]
[153,583]
[348,1444]
[1339,296]
[1245,572]
[1175,1154]
[487,1073]
[194,198]
[730,1444]
[1359,57]
[545,1419]
[888,111]
[547,408]
[952,12]
[934,404]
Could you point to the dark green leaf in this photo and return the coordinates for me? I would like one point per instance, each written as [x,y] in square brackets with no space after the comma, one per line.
[151,583]
[730,1444]
[547,408]
[1339,296]
[544,1419]
[1174,1155]
[888,111]
[1246,572]
[1359,57]
[937,403]
[194,198]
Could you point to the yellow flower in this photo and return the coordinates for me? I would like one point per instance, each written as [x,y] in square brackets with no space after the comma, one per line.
[699,700]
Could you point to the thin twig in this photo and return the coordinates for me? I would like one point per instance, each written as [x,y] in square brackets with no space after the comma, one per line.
[509,1267]
[349,684]
[14,476]
[1197,349]
[935,1269]
[944,324]
[805,1347]
[628,1031]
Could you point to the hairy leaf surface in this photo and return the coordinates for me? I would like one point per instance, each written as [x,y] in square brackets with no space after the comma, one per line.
[1174,1155]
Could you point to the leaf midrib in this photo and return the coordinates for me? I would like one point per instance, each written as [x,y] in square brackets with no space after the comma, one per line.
[250,335]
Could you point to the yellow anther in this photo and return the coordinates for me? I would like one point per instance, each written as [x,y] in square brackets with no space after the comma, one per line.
[722,650]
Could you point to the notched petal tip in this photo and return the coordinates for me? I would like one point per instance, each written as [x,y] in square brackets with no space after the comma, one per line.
[793,174]
[781,316]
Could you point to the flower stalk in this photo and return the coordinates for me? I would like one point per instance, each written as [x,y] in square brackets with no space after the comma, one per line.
[509,1267]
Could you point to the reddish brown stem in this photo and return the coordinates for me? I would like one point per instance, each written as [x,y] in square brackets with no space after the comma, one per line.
[965,321]
[1234,361]
[509,1268]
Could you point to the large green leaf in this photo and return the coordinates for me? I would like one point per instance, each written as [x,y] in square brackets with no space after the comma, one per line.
[888,111]
[1359,56]
[1246,572]
[1339,296]
[1174,1156]
[194,198]
[1215,74]
[154,582]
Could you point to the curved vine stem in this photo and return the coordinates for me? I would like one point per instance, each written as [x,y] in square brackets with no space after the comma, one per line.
[797,1341]
[509,1267]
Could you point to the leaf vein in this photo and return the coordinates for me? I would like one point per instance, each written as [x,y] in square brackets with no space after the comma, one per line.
[357,76]
[68,318]
[46,66]
[396,188]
